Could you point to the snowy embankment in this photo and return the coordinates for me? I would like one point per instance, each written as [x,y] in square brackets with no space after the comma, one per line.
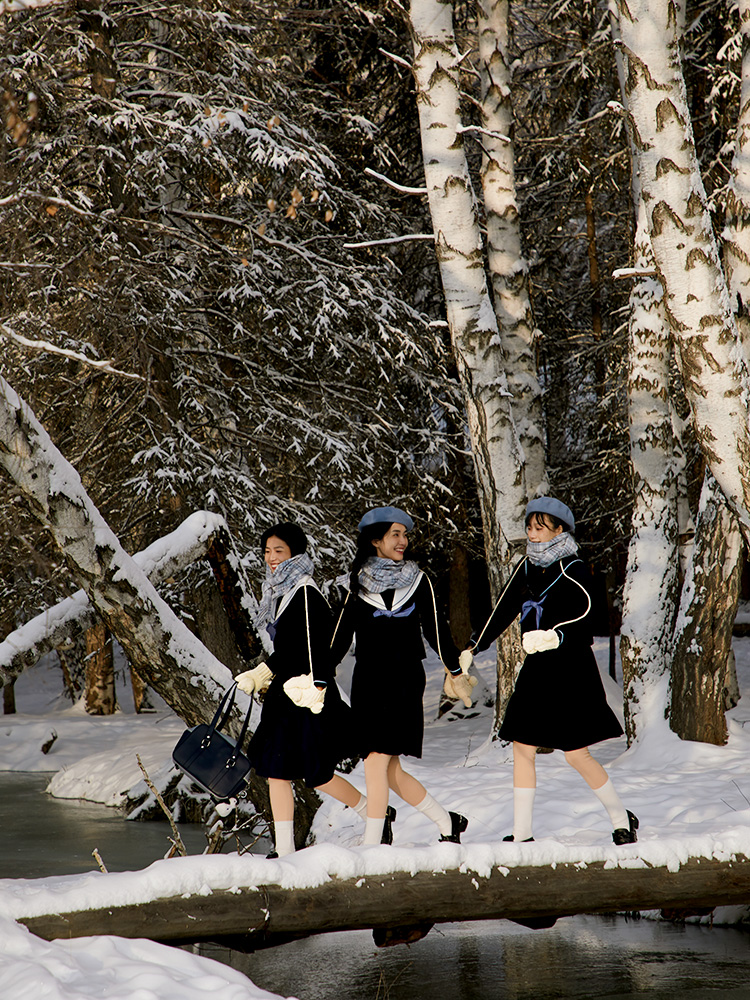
[693,800]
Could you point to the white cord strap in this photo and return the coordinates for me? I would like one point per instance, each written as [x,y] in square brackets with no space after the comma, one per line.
[572,621]
[497,602]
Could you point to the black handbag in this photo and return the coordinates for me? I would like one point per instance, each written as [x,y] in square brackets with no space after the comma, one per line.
[213,760]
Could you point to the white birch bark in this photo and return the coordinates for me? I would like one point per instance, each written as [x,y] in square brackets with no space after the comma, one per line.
[703,678]
[652,581]
[159,646]
[60,624]
[713,368]
[736,234]
[651,586]
[498,456]
[508,268]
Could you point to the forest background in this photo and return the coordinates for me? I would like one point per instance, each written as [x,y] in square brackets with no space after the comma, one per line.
[292,260]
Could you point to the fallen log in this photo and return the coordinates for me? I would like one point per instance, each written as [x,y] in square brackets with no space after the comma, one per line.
[252,918]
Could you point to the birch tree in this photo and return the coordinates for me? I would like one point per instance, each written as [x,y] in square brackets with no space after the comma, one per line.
[497,452]
[714,370]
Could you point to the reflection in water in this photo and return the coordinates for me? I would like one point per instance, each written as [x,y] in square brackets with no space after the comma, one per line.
[47,836]
[580,958]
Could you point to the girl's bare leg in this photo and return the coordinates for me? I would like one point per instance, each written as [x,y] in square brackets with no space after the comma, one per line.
[340,789]
[404,784]
[376,779]
[282,810]
[599,782]
[524,790]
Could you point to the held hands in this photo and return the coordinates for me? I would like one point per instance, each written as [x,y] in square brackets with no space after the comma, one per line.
[304,694]
[255,681]
[540,639]
[465,660]
[460,687]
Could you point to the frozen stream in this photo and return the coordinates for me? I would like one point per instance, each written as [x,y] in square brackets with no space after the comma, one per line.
[44,836]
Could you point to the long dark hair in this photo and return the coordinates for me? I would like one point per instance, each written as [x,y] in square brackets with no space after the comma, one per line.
[369,534]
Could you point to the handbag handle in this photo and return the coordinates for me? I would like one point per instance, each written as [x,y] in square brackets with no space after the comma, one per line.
[219,720]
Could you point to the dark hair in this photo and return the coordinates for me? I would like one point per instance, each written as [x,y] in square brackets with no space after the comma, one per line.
[288,532]
[369,534]
[548,520]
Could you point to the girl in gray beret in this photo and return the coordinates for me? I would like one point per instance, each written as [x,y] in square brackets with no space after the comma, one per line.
[390,604]
[558,700]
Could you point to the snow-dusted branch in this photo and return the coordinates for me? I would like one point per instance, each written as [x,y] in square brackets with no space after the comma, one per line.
[392,239]
[61,623]
[394,184]
[484,131]
[48,348]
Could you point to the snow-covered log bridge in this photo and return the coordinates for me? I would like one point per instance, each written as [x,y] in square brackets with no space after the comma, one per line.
[265,914]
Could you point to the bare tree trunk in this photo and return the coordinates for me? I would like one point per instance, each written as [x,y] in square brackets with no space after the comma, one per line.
[714,371]
[704,629]
[509,272]
[498,459]
[651,586]
[653,564]
[99,698]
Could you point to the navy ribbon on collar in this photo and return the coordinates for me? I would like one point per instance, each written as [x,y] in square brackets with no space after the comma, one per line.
[528,606]
[386,613]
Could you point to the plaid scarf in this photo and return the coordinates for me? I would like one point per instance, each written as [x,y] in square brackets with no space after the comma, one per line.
[287,575]
[545,553]
[379,574]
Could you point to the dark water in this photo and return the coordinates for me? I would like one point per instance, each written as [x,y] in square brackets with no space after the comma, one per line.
[43,836]
[580,957]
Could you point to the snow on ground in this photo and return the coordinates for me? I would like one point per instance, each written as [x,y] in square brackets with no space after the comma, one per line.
[692,800]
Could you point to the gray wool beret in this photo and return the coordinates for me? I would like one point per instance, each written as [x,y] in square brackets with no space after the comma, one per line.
[549,505]
[392,515]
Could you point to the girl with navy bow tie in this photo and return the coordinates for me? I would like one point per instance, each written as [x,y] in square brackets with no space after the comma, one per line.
[558,700]
[389,605]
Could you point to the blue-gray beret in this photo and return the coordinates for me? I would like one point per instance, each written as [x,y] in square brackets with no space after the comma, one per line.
[392,515]
[549,505]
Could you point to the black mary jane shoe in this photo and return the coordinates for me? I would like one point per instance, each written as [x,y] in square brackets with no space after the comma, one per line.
[390,816]
[622,836]
[510,837]
[458,825]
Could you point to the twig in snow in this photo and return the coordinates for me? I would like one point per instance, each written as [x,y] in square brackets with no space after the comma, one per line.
[177,842]
[102,867]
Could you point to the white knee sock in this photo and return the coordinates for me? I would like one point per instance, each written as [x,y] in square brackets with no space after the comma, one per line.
[434,811]
[361,807]
[373,829]
[284,836]
[609,798]
[523,810]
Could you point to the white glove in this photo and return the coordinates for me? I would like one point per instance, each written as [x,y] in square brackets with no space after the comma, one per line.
[458,687]
[465,660]
[302,691]
[540,639]
[255,681]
